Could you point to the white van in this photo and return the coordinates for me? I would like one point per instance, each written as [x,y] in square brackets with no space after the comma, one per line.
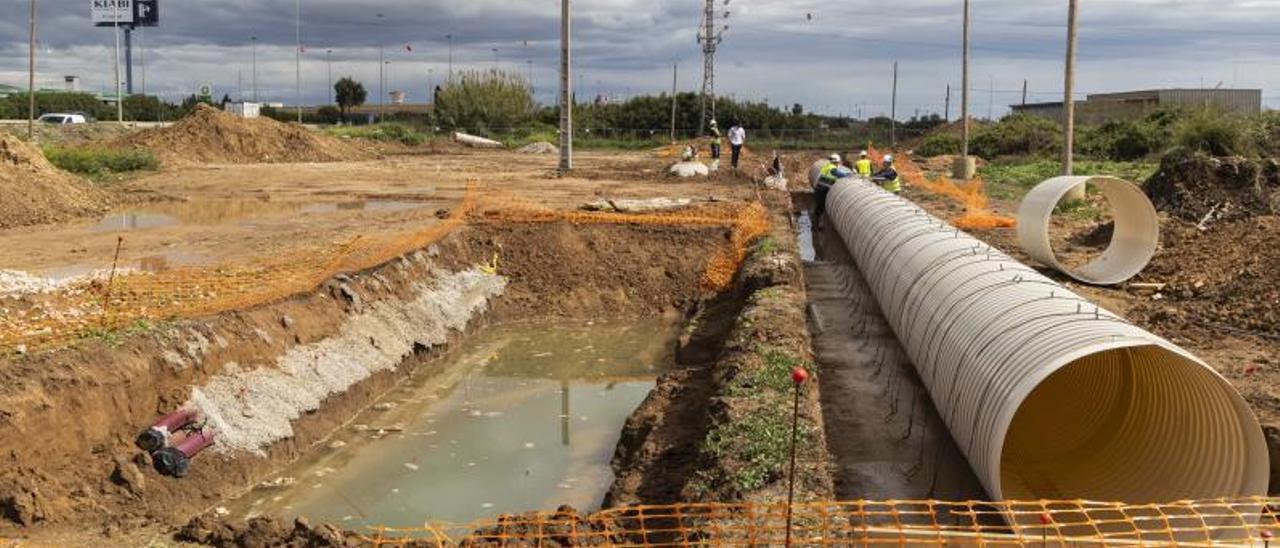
[60,118]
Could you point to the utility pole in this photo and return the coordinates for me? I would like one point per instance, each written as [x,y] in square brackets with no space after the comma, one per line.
[566,96]
[328,61]
[964,94]
[710,38]
[31,76]
[1069,105]
[381,73]
[128,59]
[253,74]
[675,72]
[142,58]
[893,109]
[946,112]
[1024,92]
[297,56]
[991,97]
[115,29]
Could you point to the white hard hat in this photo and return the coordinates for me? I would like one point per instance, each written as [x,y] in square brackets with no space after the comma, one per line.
[713,122]
[888,158]
[863,154]
[834,158]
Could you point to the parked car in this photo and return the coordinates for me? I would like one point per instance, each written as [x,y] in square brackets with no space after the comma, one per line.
[61,118]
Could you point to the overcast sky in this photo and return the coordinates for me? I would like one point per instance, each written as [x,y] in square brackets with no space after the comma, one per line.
[839,62]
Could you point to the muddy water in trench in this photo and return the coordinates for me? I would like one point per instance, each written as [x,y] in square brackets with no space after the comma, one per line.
[524,417]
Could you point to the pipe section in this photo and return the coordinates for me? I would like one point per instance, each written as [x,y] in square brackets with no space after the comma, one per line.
[1048,395]
[1137,228]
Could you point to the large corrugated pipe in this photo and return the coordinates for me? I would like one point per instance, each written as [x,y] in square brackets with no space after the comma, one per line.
[1048,395]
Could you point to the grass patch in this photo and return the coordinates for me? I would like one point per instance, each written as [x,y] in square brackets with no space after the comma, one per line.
[766,246]
[385,132]
[114,337]
[1012,179]
[759,442]
[96,162]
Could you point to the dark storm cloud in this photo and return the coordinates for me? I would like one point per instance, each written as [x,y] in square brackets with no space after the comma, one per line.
[838,60]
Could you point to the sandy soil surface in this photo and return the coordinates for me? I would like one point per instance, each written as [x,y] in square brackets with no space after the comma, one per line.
[218,213]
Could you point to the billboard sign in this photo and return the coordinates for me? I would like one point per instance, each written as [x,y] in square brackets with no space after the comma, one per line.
[110,13]
[146,13]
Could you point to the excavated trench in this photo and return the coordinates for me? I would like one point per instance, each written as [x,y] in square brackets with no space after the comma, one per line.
[887,440]
[437,377]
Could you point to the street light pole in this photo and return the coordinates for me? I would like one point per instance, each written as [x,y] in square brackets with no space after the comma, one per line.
[253,45]
[297,57]
[31,76]
[450,38]
[115,16]
[328,61]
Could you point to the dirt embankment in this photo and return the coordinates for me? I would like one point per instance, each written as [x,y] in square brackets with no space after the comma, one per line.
[1202,189]
[33,191]
[719,429]
[68,418]
[211,136]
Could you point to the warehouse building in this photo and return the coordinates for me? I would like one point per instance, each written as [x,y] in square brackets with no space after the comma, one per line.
[1129,105]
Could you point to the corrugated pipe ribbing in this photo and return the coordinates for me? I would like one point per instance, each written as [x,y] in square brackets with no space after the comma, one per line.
[1048,395]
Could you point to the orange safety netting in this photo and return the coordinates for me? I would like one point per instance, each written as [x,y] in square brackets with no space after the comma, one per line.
[970,195]
[132,297]
[1242,522]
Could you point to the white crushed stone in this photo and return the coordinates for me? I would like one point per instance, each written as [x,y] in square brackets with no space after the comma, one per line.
[540,147]
[250,410]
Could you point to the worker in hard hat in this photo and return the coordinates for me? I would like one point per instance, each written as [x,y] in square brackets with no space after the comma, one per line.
[888,177]
[714,145]
[863,165]
[828,176]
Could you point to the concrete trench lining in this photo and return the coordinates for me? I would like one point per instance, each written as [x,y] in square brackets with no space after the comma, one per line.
[1048,395]
[1136,236]
[249,409]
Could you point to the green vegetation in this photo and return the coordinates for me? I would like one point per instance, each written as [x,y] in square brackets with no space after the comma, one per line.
[483,100]
[348,93]
[939,144]
[1011,178]
[760,440]
[1017,135]
[98,162]
[1214,133]
[386,132]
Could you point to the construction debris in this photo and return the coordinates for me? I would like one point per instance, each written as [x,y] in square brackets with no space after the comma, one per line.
[638,206]
[540,147]
[476,142]
[690,169]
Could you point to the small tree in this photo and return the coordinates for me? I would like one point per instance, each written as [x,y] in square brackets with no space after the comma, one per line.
[349,93]
[480,101]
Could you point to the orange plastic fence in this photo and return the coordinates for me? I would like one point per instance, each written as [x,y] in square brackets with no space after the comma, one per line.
[1242,522]
[970,195]
[70,314]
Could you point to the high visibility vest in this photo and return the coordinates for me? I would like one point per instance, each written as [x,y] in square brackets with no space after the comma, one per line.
[894,186]
[864,167]
[826,174]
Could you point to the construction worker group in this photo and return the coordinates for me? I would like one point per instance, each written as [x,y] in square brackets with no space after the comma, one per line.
[836,170]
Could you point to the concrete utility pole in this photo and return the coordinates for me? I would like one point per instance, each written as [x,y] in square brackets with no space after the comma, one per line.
[328,61]
[1069,105]
[675,72]
[449,37]
[566,95]
[31,76]
[128,59]
[709,37]
[142,58]
[893,109]
[297,57]
[991,97]
[946,109]
[964,99]
[1024,92]
[253,74]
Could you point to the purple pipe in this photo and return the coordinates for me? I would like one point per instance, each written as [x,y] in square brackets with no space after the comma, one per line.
[176,459]
[157,435]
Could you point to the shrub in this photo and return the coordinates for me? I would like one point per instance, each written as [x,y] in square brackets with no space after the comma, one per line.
[1266,133]
[938,144]
[100,161]
[381,132]
[482,101]
[1122,140]
[1213,133]
[1017,135]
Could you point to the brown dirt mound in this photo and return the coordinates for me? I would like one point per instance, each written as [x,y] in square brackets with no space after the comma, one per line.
[1223,277]
[1195,186]
[32,191]
[210,136]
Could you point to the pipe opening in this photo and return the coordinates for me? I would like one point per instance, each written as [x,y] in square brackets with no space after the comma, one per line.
[1140,424]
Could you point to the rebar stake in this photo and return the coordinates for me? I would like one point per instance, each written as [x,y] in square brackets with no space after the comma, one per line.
[798,376]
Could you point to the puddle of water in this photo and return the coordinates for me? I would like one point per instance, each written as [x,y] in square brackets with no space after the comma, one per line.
[159,262]
[383,206]
[524,417]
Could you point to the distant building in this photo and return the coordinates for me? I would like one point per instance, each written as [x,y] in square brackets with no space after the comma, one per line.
[397,97]
[1130,105]
[244,109]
